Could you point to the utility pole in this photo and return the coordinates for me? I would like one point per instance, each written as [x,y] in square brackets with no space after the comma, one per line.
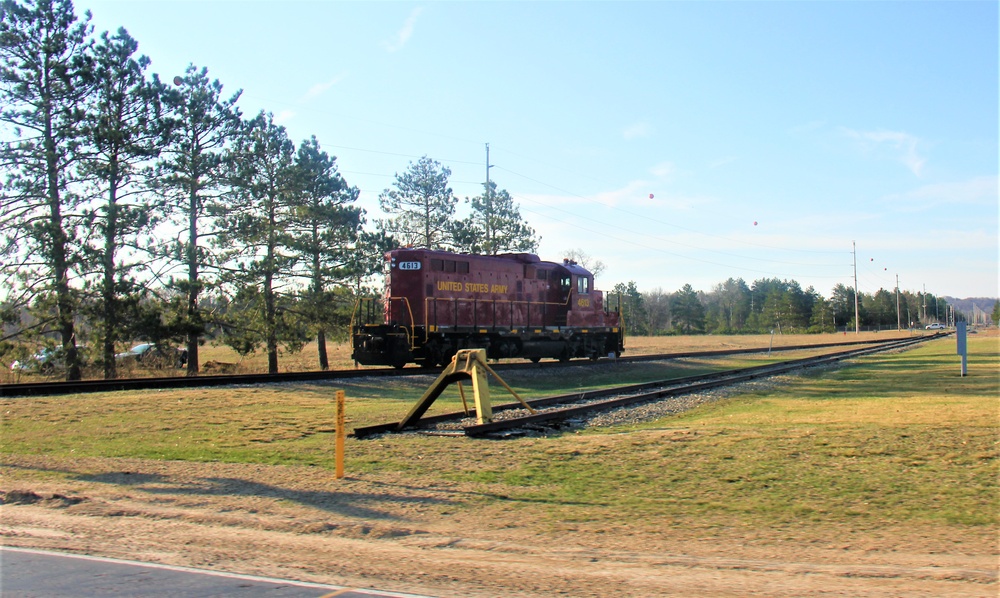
[924,301]
[489,206]
[899,323]
[857,320]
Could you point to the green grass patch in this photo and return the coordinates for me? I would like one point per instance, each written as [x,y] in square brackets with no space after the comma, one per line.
[893,438]
[898,438]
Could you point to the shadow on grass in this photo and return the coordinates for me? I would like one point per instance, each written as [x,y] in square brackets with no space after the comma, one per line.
[360,505]
[348,504]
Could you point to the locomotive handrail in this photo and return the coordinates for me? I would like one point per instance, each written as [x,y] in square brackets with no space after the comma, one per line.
[410,336]
[408,330]
[357,307]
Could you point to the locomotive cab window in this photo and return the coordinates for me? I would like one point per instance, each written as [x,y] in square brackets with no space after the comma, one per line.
[565,283]
[583,285]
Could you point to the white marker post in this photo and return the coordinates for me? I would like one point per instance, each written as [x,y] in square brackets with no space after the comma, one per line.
[962,346]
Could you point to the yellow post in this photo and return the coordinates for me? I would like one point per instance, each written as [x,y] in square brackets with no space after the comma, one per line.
[480,386]
[340,434]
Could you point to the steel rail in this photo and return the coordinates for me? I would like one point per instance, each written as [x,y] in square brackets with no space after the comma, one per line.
[635,393]
[693,386]
[30,389]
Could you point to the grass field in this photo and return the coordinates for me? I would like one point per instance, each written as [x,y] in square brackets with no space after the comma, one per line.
[339,354]
[898,438]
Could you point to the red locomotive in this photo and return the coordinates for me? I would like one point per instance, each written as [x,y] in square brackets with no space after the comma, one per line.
[513,305]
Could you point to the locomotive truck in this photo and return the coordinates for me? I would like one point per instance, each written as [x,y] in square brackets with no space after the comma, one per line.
[513,305]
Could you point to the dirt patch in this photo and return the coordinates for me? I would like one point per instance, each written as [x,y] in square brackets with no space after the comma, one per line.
[395,533]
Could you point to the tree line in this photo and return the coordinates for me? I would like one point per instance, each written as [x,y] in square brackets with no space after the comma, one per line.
[773,305]
[134,208]
[139,209]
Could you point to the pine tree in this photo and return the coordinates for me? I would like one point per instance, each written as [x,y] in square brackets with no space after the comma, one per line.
[46,78]
[191,177]
[629,300]
[494,226]
[254,224]
[326,233]
[687,311]
[125,133]
[421,206]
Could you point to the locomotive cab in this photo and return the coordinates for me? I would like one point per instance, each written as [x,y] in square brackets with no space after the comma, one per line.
[584,304]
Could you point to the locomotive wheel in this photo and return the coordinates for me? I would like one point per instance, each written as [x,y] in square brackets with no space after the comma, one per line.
[535,359]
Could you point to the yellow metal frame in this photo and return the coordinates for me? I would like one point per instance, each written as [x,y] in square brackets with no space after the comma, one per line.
[466,364]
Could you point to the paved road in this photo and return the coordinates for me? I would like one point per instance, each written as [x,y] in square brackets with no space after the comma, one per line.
[28,573]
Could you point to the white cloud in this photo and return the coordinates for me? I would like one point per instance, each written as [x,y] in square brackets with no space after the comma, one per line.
[897,145]
[722,162]
[808,127]
[980,191]
[405,33]
[637,130]
[633,194]
[944,241]
[320,88]
[638,194]
[283,117]
[662,170]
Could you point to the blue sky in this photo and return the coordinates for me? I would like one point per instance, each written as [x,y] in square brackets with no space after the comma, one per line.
[676,142]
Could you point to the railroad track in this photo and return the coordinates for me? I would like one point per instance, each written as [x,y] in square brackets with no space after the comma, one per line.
[550,411]
[91,386]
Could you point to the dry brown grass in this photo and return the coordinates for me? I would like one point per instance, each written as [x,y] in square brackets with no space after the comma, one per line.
[227,361]
[646,345]
[340,353]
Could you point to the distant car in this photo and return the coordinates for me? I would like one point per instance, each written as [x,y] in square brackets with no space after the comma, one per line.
[44,360]
[153,355]
[934,326]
